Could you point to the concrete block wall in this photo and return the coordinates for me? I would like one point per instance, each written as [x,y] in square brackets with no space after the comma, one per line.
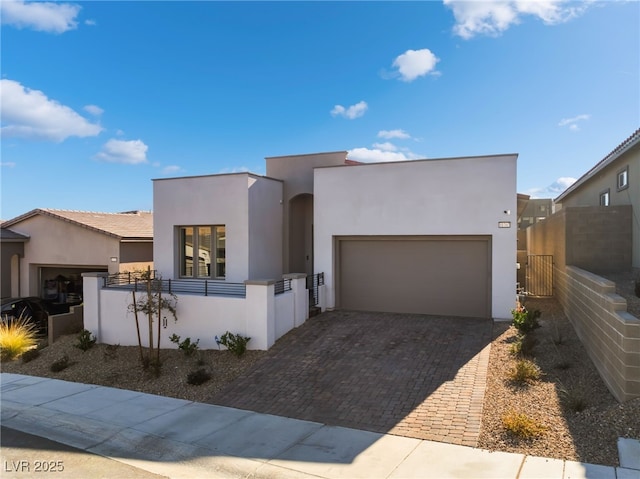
[609,333]
[598,238]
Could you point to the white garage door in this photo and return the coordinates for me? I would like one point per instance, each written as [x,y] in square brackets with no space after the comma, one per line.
[448,276]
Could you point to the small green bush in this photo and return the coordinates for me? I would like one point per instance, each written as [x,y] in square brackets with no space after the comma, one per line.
[522,426]
[525,371]
[197,377]
[186,346]
[60,364]
[525,321]
[16,337]
[86,340]
[524,346]
[235,343]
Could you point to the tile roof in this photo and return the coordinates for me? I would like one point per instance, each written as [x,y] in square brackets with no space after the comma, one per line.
[129,225]
[8,235]
[627,144]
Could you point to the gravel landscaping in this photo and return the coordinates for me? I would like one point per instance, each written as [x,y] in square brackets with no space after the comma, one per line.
[569,382]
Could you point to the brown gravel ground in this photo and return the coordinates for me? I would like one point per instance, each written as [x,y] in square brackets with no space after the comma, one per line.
[120,367]
[588,436]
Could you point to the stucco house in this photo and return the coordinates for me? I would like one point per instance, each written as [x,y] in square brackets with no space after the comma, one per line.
[433,236]
[613,181]
[45,251]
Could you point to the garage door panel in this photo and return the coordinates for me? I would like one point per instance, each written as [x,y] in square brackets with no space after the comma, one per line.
[428,276]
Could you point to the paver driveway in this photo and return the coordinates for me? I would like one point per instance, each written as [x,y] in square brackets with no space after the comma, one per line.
[405,374]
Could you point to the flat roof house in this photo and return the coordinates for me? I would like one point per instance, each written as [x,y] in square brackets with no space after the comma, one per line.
[433,236]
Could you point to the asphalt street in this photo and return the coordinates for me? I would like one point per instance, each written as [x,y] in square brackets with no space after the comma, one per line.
[24,455]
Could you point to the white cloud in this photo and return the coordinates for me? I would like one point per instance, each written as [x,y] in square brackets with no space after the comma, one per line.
[377,155]
[553,190]
[90,22]
[130,152]
[493,17]
[390,134]
[42,16]
[171,169]
[352,112]
[7,164]
[572,123]
[415,63]
[30,114]
[386,146]
[94,110]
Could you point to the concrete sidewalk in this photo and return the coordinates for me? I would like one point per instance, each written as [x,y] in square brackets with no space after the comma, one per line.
[177,438]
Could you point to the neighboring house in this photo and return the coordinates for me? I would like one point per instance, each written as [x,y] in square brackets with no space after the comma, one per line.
[595,231]
[431,236]
[613,181]
[536,209]
[45,251]
[12,249]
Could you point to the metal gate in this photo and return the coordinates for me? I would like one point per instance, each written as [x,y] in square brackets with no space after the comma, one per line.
[539,275]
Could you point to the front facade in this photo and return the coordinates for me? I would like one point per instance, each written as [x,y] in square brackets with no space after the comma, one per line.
[431,236]
[61,245]
[614,181]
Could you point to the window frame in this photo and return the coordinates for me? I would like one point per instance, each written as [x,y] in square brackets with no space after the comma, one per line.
[606,196]
[624,172]
[217,254]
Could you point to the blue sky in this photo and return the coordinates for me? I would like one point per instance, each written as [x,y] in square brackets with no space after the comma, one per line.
[98,98]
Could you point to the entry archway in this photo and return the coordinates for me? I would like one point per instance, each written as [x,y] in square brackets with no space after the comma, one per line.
[301,234]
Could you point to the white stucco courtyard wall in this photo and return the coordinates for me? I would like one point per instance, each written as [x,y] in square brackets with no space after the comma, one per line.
[453,196]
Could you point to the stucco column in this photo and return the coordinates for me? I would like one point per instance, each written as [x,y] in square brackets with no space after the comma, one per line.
[322,297]
[91,287]
[261,313]
[300,297]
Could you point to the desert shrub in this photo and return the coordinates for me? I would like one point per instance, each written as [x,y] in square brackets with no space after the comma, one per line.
[525,371]
[30,355]
[60,364]
[524,345]
[235,343]
[197,377]
[524,320]
[86,340]
[574,399]
[16,337]
[186,346]
[522,426]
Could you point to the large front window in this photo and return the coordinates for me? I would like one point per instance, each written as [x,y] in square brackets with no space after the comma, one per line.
[200,248]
